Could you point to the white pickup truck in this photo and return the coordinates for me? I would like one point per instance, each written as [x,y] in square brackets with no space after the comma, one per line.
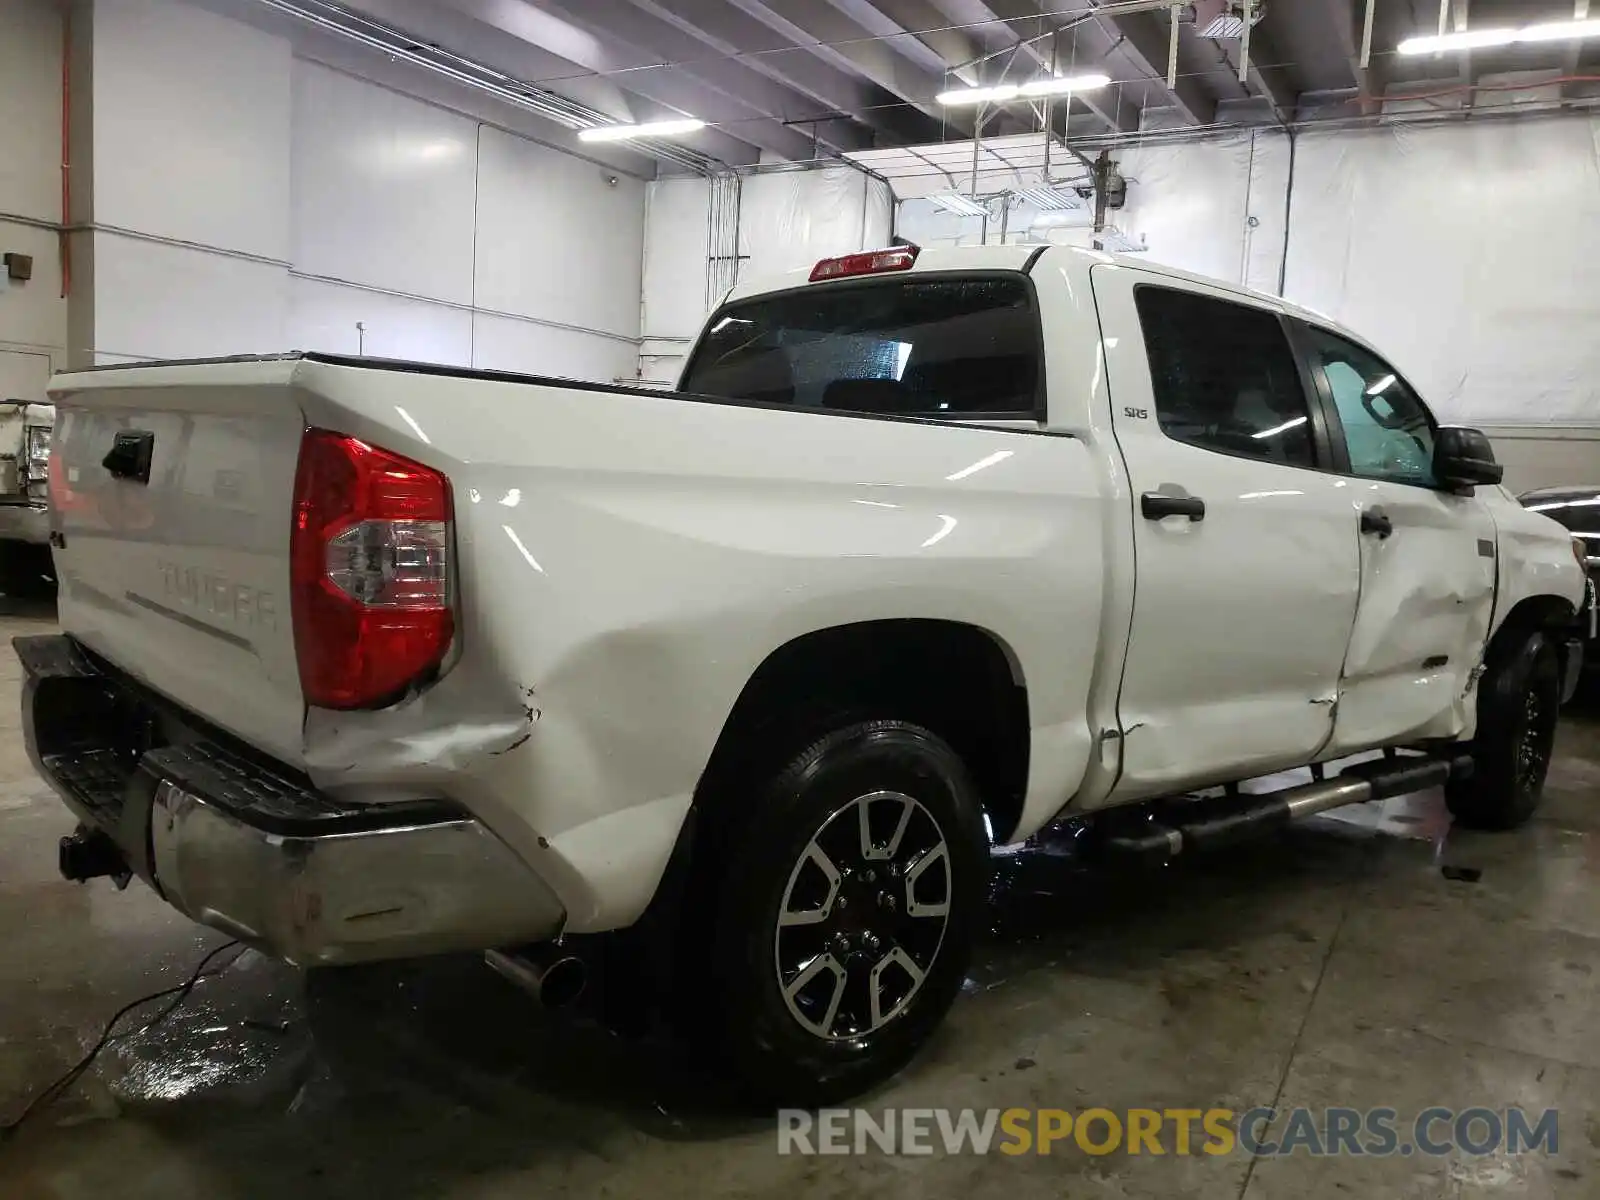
[368,659]
[24,465]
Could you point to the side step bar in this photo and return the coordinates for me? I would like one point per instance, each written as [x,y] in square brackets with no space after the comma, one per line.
[1224,820]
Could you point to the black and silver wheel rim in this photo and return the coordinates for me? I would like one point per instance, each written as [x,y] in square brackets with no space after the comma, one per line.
[1535,743]
[863,915]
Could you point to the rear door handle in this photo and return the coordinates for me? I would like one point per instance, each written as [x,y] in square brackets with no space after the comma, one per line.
[1376,522]
[1155,505]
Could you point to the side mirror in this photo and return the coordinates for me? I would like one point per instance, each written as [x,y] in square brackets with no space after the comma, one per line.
[1463,458]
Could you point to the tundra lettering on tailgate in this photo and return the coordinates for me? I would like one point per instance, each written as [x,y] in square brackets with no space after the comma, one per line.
[218,596]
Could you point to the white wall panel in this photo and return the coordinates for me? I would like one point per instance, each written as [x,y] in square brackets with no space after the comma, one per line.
[787,219]
[878,215]
[191,126]
[920,222]
[1468,252]
[30,108]
[1537,456]
[675,259]
[1266,196]
[156,301]
[790,219]
[33,313]
[323,316]
[506,344]
[384,187]
[556,238]
[1192,204]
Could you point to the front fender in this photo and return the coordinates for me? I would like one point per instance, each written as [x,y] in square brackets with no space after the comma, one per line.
[1534,558]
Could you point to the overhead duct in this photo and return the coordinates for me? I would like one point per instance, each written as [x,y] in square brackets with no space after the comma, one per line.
[552,106]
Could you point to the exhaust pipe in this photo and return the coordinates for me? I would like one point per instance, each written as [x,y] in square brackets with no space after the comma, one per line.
[550,975]
[1207,824]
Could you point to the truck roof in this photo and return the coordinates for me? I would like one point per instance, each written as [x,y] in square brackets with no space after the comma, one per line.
[1019,257]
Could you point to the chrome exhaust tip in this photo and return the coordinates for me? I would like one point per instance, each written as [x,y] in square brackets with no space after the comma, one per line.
[550,975]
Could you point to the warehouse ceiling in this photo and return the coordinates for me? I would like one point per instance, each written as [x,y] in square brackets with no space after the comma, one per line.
[797,79]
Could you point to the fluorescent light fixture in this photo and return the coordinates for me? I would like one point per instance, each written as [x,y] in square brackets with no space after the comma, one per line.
[620,133]
[1025,91]
[1224,29]
[1049,199]
[1477,39]
[958,203]
[1382,386]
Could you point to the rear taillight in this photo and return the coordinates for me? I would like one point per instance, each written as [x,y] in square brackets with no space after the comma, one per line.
[370,571]
[55,473]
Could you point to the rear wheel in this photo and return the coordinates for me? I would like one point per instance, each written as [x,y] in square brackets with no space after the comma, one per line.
[1518,704]
[27,571]
[851,894]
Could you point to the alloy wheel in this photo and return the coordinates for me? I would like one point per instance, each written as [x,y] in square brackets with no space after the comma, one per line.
[863,915]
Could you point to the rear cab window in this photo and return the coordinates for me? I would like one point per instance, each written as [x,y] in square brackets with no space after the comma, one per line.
[944,347]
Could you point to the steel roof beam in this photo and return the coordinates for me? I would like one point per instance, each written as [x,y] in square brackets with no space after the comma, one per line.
[814,21]
[1024,24]
[742,103]
[722,28]
[1148,40]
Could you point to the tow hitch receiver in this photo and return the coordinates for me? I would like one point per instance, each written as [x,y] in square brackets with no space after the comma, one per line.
[89,854]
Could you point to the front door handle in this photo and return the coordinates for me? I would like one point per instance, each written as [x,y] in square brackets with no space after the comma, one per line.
[1375,522]
[1155,505]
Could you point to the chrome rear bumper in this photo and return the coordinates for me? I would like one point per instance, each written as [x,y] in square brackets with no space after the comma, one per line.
[251,848]
[25,523]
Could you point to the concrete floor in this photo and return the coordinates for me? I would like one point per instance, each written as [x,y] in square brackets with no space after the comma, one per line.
[1334,966]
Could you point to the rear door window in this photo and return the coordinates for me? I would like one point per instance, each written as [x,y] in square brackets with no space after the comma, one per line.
[1224,377]
[926,347]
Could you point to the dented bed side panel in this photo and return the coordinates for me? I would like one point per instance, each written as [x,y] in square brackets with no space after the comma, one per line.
[627,562]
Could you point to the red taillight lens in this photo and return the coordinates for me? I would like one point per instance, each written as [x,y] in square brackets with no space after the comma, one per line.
[868,262]
[370,571]
[54,473]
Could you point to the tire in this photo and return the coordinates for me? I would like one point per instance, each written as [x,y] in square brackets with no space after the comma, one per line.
[27,572]
[861,1014]
[1518,704]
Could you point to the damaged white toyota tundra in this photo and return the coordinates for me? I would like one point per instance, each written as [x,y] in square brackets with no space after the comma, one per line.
[370,659]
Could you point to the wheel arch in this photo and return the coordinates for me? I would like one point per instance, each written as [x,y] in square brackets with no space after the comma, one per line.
[962,681]
[1529,614]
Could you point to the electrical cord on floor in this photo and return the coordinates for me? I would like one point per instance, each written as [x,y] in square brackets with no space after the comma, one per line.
[180,993]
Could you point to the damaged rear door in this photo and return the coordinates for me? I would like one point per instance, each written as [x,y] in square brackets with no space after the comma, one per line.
[1244,537]
[1427,556]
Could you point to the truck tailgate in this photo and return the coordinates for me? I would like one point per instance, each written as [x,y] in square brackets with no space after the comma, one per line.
[173,494]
